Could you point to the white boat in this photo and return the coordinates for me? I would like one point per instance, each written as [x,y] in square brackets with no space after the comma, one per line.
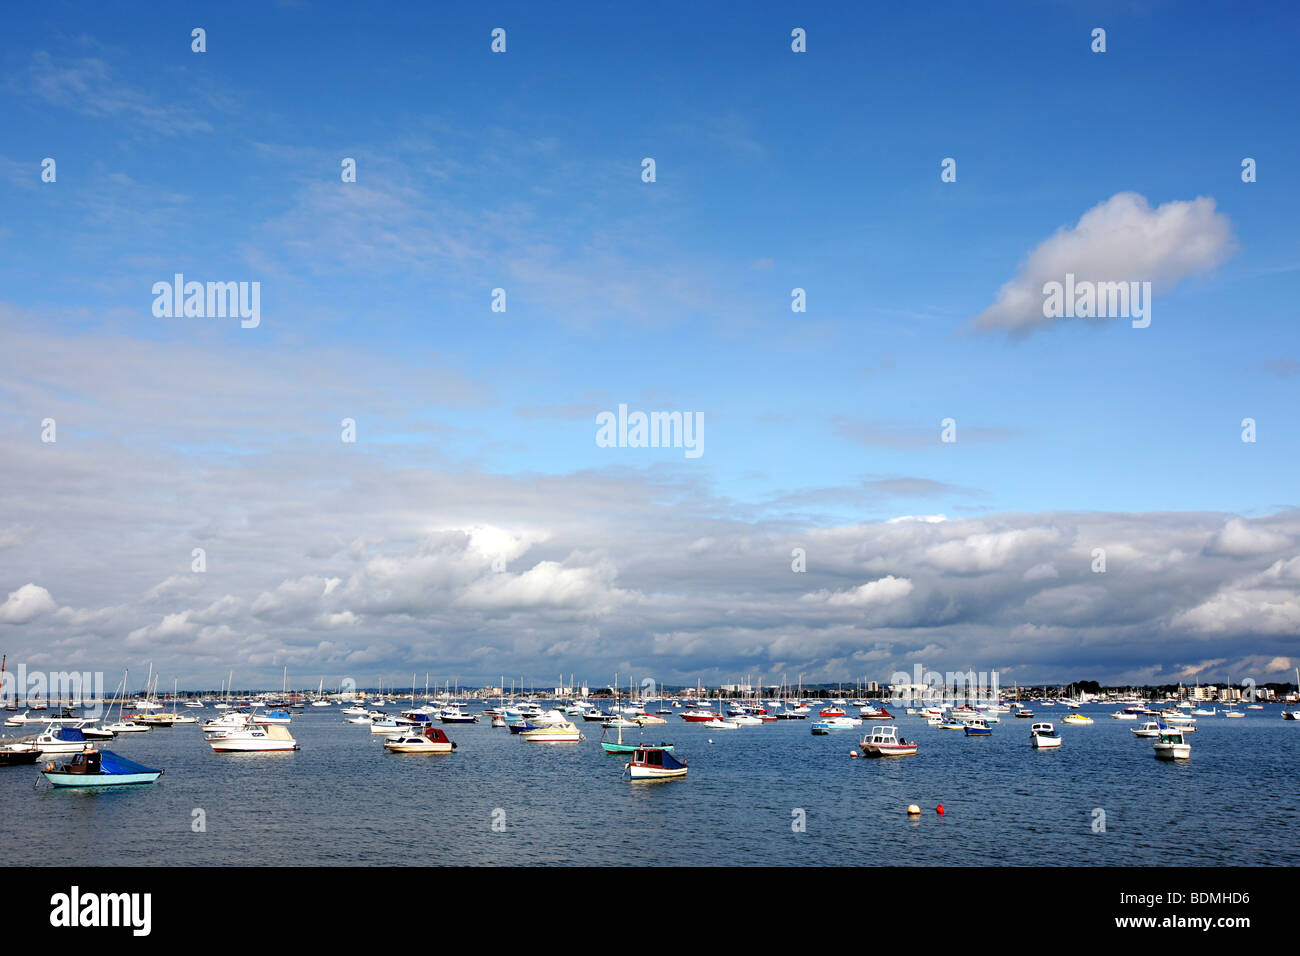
[654,763]
[721,723]
[61,740]
[565,733]
[1171,745]
[1123,715]
[255,737]
[1044,737]
[428,740]
[1148,729]
[885,742]
[1202,712]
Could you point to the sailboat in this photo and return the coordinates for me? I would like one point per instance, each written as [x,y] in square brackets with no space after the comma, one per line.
[1294,714]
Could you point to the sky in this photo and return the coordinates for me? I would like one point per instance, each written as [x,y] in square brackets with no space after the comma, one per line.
[477,527]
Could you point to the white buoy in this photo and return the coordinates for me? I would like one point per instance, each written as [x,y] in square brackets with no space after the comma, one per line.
[913,810]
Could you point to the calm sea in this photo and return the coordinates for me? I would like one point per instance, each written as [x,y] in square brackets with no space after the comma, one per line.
[343,799]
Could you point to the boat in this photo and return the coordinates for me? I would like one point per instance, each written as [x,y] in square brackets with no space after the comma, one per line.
[428,740]
[654,763]
[61,740]
[832,712]
[885,742]
[274,717]
[1044,737]
[698,716]
[646,720]
[253,738]
[828,724]
[1123,715]
[1171,745]
[13,753]
[1025,714]
[99,768]
[1078,719]
[1202,712]
[870,712]
[452,714]
[977,727]
[1230,712]
[565,733]
[1148,729]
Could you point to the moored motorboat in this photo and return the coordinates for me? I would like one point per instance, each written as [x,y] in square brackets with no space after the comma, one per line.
[99,768]
[424,740]
[828,724]
[13,753]
[885,742]
[564,733]
[1077,719]
[253,738]
[977,727]
[61,740]
[1171,745]
[654,763]
[1044,737]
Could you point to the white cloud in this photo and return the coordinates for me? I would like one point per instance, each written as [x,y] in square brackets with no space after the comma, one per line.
[1237,539]
[28,602]
[881,591]
[1119,240]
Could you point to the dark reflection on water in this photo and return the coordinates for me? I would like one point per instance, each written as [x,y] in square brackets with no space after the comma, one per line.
[343,800]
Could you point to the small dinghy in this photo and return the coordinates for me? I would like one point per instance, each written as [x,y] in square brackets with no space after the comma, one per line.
[427,740]
[99,768]
[654,763]
[1044,737]
[885,742]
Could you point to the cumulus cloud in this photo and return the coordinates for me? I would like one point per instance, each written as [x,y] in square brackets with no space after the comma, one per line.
[882,591]
[1119,240]
[28,602]
[1238,538]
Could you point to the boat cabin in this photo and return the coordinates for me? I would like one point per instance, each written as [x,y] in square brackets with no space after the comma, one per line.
[1043,730]
[435,735]
[85,762]
[655,757]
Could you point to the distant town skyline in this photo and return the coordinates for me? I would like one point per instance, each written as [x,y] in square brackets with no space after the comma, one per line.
[955,341]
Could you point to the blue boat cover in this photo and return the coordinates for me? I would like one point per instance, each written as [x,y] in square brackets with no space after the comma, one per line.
[111,763]
[671,762]
[70,734]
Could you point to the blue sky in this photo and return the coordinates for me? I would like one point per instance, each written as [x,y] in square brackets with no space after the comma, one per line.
[775,170]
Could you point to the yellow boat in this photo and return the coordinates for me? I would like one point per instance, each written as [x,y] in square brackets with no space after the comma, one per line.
[1077,719]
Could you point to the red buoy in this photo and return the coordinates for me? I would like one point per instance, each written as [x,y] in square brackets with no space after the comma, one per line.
[939,809]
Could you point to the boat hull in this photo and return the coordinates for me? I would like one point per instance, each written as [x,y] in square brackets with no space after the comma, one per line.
[654,773]
[99,779]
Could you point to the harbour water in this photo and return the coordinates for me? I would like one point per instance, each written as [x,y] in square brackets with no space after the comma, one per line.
[342,799]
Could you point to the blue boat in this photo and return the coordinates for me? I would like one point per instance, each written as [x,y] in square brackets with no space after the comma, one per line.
[977,728]
[99,768]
